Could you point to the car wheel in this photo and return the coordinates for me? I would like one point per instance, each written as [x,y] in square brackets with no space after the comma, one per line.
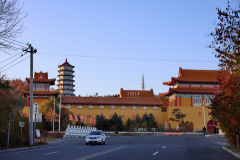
[104,142]
[86,144]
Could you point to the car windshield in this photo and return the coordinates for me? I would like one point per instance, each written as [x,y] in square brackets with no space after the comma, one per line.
[95,133]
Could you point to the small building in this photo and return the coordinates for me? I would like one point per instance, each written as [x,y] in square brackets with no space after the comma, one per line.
[65,82]
[127,105]
[41,89]
[191,92]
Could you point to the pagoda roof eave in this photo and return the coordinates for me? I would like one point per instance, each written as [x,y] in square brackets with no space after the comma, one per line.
[39,92]
[51,81]
[190,90]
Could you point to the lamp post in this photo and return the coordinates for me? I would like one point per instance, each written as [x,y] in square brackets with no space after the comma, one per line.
[60,106]
[54,113]
[203,116]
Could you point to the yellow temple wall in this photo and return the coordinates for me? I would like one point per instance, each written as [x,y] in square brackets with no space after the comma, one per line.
[194,115]
[107,112]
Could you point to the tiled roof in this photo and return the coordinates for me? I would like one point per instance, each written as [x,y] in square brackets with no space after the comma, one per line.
[190,90]
[137,93]
[66,64]
[52,81]
[39,92]
[40,75]
[190,75]
[164,102]
[111,101]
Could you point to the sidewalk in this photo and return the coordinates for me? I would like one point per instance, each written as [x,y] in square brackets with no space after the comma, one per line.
[235,152]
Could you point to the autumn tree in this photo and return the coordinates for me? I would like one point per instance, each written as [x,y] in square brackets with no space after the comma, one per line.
[10,104]
[47,109]
[226,40]
[11,15]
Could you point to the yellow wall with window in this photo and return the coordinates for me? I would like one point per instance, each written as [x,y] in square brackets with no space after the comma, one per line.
[124,113]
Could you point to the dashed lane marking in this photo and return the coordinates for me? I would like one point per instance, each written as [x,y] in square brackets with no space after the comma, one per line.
[50,153]
[154,154]
[163,147]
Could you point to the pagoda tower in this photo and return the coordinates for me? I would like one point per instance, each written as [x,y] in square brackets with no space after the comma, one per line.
[65,82]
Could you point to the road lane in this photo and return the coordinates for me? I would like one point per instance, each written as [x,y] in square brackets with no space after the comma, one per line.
[128,148]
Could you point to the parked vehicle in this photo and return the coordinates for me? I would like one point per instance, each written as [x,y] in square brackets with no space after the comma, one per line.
[96,137]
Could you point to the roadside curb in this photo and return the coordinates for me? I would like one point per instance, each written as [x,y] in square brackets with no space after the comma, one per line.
[231,152]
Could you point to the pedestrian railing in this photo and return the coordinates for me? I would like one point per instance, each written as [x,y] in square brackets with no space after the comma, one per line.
[78,130]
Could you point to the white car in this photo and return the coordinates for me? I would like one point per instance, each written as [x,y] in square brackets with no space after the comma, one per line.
[96,137]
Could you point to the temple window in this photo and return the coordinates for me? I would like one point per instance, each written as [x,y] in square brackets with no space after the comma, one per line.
[112,107]
[68,106]
[134,107]
[207,101]
[90,106]
[155,107]
[197,101]
[144,107]
[101,106]
[79,106]
[123,107]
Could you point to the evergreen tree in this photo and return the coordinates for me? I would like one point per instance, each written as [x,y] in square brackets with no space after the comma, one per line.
[137,119]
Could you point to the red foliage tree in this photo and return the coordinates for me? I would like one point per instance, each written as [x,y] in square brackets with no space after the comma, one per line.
[226,104]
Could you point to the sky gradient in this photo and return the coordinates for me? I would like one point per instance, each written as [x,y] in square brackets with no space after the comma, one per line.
[113,43]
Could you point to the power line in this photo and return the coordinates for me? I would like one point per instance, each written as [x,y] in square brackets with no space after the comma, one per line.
[12,61]
[139,59]
[15,64]
[10,57]
[13,42]
[17,41]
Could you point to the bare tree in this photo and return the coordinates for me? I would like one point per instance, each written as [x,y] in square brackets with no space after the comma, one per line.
[11,16]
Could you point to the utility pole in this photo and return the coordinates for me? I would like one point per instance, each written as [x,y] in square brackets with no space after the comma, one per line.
[31,50]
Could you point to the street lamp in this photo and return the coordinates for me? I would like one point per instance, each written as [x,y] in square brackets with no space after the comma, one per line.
[203,116]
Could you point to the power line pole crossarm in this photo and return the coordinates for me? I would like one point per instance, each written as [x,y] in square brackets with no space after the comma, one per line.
[31,50]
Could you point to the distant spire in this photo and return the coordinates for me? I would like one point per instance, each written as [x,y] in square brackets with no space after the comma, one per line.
[66,60]
[143,87]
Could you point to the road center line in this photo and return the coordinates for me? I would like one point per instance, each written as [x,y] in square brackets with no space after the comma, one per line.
[51,153]
[155,153]
[163,147]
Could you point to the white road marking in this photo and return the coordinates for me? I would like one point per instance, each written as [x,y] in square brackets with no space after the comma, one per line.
[50,153]
[155,153]
[99,153]
[219,143]
[26,151]
[163,147]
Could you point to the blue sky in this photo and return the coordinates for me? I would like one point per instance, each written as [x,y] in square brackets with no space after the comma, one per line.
[134,36]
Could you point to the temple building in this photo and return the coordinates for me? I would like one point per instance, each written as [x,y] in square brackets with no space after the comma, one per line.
[41,88]
[191,92]
[127,105]
[65,82]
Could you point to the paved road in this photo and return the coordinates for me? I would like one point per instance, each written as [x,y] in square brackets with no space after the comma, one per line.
[128,148]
